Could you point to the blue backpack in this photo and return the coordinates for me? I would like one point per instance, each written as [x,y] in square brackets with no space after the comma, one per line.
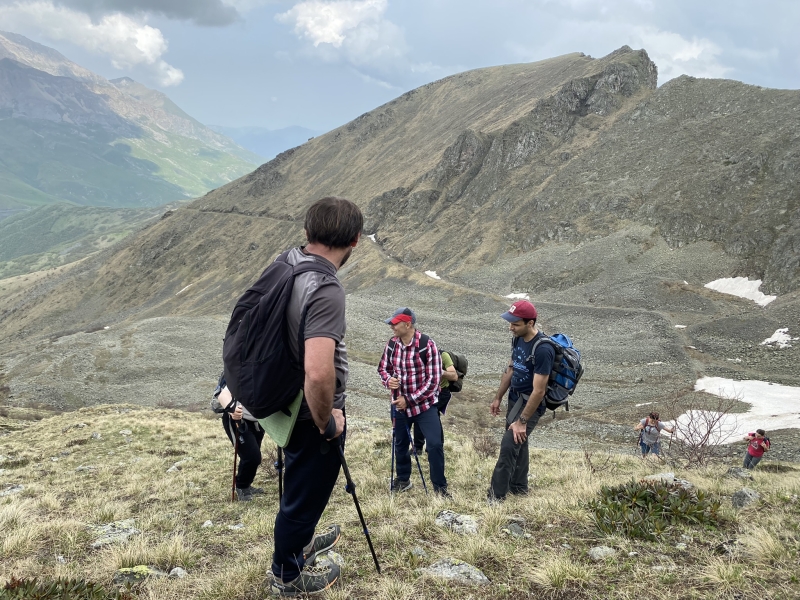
[567,371]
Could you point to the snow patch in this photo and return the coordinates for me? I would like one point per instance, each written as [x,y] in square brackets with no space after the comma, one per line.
[518,296]
[742,287]
[372,237]
[680,326]
[432,274]
[780,339]
[184,289]
[773,406]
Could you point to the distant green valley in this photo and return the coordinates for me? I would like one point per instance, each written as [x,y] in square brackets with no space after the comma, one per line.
[53,235]
[69,135]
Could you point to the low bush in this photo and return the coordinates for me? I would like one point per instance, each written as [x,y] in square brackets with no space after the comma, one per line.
[647,509]
[59,589]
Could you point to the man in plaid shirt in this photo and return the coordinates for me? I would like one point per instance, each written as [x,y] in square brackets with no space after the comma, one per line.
[412,368]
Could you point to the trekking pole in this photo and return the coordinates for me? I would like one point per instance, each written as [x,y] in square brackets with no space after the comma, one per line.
[411,441]
[350,488]
[235,455]
[419,467]
[391,474]
[279,468]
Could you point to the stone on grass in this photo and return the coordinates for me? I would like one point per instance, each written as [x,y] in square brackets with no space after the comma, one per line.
[419,552]
[680,546]
[207,524]
[178,573]
[515,530]
[236,527]
[85,468]
[12,489]
[126,432]
[738,473]
[463,524]
[96,436]
[113,533]
[744,497]
[178,465]
[669,479]
[665,477]
[456,570]
[136,575]
[600,553]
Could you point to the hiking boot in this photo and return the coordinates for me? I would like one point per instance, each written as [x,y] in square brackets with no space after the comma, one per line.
[255,491]
[321,542]
[244,494]
[493,500]
[312,580]
[401,485]
[442,491]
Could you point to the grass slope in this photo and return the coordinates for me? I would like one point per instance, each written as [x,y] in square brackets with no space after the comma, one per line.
[44,527]
[44,162]
[187,163]
[53,235]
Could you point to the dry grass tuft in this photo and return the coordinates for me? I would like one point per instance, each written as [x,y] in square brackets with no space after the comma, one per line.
[558,572]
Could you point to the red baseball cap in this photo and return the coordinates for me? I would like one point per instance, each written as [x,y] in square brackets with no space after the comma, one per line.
[402,315]
[521,309]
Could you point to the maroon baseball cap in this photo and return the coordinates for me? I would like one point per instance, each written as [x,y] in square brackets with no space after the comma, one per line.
[521,309]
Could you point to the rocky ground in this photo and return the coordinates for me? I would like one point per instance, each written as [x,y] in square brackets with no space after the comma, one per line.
[636,360]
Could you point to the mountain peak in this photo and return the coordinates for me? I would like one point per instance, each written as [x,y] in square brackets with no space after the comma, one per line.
[43,58]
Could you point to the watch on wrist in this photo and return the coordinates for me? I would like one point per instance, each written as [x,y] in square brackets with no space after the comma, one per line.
[523,420]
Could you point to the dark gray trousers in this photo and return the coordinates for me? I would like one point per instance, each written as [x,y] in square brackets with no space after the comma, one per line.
[511,471]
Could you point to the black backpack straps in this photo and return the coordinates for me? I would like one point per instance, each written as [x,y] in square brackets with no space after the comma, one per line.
[423,347]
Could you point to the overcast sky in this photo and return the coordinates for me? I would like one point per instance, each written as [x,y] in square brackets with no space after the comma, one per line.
[321,63]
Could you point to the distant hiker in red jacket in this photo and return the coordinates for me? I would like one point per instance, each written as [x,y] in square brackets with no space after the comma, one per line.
[758,443]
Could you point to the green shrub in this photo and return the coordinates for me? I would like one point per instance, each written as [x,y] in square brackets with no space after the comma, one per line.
[59,589]
[647,509]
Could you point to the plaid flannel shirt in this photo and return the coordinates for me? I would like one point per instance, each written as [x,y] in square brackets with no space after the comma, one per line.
[419,382]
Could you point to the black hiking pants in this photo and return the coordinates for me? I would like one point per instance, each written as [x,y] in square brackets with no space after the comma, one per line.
[250,436]
[511,471]
[311,466]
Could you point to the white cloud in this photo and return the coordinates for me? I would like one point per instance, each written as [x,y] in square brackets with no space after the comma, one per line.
[126,41]
[676,55]
[324,22]
[355,32]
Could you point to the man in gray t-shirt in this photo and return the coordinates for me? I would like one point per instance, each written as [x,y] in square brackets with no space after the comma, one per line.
[312,460]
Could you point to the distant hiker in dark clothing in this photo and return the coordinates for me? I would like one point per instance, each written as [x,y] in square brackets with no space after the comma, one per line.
[649,438]
[525,379]
[449,374]
[315,317]
[412,370]
[240,423]
[757,444]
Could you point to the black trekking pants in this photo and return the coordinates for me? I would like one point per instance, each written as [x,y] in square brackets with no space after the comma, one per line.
[250,436]
[511,471]
[311,466]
